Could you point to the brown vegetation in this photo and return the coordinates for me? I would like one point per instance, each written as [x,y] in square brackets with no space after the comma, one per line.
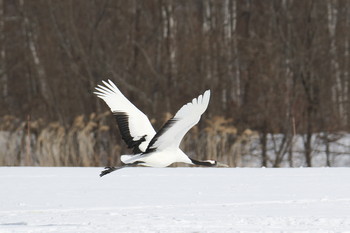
[92,142]
[95,141]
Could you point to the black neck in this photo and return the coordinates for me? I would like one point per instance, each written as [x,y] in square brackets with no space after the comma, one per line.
[202,163]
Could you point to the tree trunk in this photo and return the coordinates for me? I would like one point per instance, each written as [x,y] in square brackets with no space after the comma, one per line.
[263,143]
[3,73]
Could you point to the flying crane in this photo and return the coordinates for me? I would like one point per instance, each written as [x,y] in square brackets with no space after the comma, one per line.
[151,148]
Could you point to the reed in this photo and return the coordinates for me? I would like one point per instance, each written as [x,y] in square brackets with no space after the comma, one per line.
[87,142]
[95,141]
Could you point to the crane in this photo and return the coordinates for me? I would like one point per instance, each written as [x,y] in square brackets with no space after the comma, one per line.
[151,148]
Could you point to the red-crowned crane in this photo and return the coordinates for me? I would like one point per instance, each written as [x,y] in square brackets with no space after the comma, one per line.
[151,148]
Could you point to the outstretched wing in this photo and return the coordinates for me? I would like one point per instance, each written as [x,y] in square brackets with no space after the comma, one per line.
[134,126]
[171,134]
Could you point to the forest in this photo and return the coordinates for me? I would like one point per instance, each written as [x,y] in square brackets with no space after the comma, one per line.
[278,71]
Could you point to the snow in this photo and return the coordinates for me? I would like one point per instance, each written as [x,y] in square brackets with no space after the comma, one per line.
[34,199]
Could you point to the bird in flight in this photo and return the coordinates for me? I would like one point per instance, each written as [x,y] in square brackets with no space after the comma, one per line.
[151,148]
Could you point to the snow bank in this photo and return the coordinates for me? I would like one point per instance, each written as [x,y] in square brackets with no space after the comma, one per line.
[174,200]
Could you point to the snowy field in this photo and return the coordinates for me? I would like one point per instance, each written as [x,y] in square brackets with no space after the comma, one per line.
[174,200]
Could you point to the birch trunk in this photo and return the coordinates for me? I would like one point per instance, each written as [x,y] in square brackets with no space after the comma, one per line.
[3,73]
[169,34]
[28,30]
[337,89]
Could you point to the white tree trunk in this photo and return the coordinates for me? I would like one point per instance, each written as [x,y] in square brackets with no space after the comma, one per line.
[207,27]
[231,34]
[346,61]
[3,73]
[169,33]
[31,40]
[337,89]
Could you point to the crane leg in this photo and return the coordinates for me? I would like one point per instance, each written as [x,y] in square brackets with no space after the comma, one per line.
[110,169]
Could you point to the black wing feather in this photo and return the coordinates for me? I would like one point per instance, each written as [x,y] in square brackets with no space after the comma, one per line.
[123,124]
[165,127]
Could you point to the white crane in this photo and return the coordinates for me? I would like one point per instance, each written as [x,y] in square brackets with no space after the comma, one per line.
[153,149]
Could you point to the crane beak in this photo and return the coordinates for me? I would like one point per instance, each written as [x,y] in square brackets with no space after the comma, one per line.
[218,164]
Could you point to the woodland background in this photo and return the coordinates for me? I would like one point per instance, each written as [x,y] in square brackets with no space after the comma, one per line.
[278,72]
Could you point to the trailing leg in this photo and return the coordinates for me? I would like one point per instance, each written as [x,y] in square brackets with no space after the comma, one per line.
[110,169]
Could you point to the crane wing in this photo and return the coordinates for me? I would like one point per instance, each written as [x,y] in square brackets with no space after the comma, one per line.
[171,134]
[134,125]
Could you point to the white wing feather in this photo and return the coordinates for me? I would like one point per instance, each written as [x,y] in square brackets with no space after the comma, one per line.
[170,136]
[139,124]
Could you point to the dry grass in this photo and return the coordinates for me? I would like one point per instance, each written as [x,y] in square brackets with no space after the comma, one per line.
[90,141]
[87,142]
[95,141]
[219,140]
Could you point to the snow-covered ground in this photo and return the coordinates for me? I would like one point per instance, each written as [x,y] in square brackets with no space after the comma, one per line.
[174,200]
